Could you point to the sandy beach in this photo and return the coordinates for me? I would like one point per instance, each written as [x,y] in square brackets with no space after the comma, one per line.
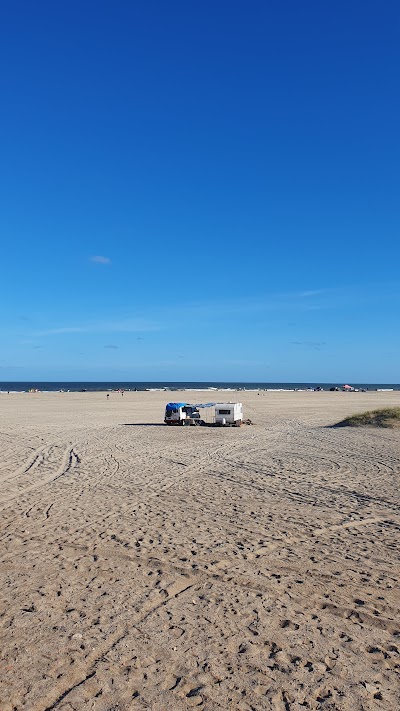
[151,567]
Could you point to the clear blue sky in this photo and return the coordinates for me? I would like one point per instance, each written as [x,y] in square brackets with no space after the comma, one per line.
[200,190]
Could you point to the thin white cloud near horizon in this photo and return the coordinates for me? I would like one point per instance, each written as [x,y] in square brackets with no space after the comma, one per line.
[166,316]
[127,326]
[170,316]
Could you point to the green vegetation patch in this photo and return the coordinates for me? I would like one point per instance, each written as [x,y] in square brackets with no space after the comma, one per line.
[388,417]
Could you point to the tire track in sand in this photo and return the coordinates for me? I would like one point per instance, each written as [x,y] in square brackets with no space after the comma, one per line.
[69,462]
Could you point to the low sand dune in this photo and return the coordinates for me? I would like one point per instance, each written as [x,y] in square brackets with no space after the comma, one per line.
[150,567]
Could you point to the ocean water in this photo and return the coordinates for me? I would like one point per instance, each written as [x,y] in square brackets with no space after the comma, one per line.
[171,386]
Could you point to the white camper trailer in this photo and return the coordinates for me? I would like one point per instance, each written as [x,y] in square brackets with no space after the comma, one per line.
[229,413]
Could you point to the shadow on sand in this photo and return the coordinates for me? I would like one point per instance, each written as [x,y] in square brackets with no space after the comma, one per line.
[143,424]
[336,426]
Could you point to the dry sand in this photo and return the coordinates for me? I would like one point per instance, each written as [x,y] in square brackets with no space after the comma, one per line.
[151,567]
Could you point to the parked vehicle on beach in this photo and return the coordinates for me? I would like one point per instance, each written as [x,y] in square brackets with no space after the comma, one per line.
[181,413]
[210,413]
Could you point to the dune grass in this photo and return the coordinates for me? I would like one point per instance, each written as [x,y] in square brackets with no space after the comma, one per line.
[387,417]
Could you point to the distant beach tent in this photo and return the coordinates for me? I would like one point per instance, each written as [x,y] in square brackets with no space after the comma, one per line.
[348,387]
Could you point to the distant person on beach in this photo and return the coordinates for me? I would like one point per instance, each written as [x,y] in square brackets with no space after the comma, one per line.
[108,395]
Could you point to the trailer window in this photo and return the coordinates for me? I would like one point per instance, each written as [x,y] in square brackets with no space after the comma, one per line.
[224,412]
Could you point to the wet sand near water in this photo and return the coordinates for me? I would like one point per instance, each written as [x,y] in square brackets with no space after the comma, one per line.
[169,568]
